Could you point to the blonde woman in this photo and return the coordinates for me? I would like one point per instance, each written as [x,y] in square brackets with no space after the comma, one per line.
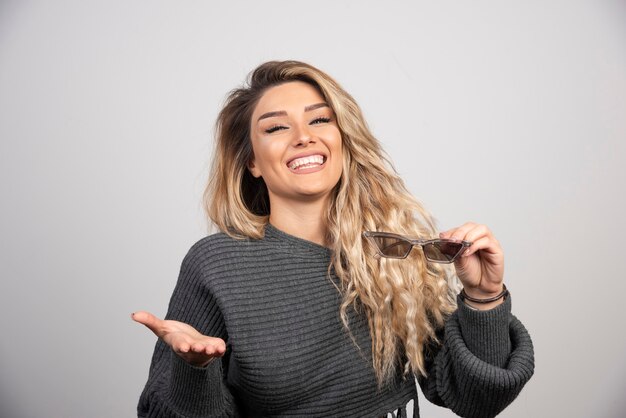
[299,307]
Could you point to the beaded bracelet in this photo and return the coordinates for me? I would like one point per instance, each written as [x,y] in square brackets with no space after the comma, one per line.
[504,293]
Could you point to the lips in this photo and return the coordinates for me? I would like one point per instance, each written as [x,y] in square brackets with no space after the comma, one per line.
[302,162]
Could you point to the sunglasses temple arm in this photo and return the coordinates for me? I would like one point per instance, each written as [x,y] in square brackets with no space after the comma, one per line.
[464,247]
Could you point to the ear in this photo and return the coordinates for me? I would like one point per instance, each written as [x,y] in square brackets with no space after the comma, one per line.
[254,170]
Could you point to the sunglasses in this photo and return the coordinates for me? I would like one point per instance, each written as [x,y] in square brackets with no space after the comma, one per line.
[397,246]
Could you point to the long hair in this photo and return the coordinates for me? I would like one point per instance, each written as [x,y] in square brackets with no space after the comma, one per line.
[405,301]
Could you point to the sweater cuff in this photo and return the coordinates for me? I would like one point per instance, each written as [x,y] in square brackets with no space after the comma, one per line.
[486,333]
[196,391]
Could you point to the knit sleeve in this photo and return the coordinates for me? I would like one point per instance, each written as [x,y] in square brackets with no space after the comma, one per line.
[484,361]
[174,387]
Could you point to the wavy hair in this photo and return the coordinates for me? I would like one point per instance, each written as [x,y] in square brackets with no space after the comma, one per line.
[405,301]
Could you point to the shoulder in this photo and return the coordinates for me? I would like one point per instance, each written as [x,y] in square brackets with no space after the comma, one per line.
[214,241]
[208,259]
[217,247]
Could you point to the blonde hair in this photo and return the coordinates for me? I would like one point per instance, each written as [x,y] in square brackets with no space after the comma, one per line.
[405,301]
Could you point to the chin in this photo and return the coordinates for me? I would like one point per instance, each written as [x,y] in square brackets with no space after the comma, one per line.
[314,193]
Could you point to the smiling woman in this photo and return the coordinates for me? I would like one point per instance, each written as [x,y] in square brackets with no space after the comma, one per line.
[297,151]
[289,312]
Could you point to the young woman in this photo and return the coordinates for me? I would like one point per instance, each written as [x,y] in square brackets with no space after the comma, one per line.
[291,310]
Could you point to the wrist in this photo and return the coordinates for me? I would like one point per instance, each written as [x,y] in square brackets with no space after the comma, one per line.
[478,293]
[481,300]
[203,364]
[483,306]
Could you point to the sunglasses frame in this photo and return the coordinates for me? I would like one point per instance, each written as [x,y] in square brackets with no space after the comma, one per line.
[371,235]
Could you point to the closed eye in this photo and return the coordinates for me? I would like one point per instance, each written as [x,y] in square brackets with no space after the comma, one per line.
[274,128]
[320,120]
[315,121]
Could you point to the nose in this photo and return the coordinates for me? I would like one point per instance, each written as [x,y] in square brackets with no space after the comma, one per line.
[303,136]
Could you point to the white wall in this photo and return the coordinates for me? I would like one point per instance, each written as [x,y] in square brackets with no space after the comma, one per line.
[511,114]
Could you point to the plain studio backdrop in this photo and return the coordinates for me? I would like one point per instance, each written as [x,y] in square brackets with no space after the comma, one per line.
[511,114]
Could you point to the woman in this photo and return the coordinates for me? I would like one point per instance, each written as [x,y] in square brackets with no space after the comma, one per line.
[290,311]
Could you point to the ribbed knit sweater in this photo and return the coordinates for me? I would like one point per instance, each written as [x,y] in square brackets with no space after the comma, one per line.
[288,353]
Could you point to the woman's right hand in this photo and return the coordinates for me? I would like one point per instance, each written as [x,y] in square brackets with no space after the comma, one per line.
[195,348]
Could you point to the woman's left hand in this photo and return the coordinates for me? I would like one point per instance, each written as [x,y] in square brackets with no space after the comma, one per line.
[481,267]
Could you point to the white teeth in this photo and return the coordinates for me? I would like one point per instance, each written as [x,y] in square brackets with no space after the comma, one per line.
[310,161]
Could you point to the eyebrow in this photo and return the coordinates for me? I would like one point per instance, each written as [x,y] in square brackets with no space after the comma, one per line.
[283,113]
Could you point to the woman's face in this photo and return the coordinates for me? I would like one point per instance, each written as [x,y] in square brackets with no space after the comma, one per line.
[296,143]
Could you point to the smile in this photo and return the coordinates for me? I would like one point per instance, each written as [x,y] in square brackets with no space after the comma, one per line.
[303,163]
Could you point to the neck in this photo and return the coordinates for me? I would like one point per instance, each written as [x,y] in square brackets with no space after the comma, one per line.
[301,219]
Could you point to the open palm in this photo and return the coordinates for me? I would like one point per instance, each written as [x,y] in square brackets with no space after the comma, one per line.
[193,347]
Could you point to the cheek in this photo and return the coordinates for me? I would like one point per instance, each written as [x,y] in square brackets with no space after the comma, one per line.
[340,153]
[333,138]
[338,145]
[338,159]
[264,152]
[269,159]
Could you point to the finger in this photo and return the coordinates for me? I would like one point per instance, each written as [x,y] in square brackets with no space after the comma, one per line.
[180,342]
[181,346]
[459,232]
[211,350]
[152,322]
[201,351]
[483,244]
[202,347]
[217,352]
[477,232]
[219,345]
[209,345]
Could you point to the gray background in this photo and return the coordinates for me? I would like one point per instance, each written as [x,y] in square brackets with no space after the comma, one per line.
[511,114]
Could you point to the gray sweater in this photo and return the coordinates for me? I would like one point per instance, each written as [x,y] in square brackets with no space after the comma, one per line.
[288,353]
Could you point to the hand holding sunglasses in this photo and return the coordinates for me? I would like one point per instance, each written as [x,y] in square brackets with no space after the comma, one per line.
[476,254]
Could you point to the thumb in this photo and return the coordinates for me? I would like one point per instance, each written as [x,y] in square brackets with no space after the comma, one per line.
[149,320]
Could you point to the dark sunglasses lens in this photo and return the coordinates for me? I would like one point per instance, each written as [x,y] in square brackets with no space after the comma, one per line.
[392,247]
[442,251]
